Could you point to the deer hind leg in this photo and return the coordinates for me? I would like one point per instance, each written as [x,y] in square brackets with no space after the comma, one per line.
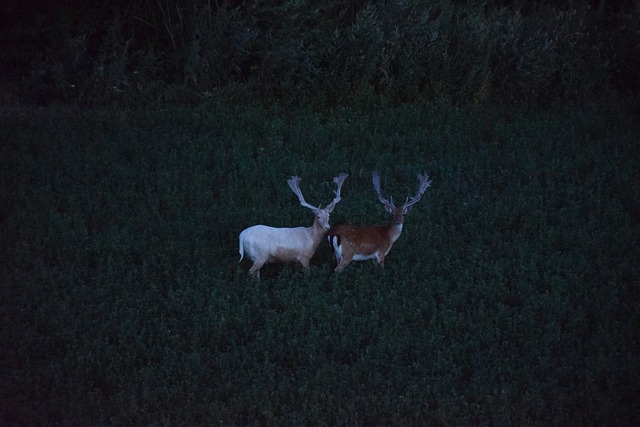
[346,258]
[342,258]
[334,243]
[255,269]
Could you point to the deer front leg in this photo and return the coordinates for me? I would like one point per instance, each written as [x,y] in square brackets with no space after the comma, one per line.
[304,262]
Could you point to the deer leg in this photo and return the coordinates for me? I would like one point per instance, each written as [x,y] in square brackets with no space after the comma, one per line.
[338,258]
[304,262]
[335,248]
[344,261]
[381,260]
[255,269]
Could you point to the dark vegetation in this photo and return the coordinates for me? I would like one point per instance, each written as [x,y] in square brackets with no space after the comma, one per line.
[516,52]
[137,139]
[511,297]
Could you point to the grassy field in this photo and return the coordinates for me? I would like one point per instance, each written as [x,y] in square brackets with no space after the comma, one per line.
[511,297]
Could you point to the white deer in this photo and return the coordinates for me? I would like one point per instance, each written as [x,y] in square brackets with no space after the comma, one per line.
[265,244]
[352,243]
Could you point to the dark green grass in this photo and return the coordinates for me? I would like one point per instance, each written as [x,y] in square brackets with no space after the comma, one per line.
[511,297]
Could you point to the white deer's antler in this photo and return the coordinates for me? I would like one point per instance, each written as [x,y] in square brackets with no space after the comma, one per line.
[294,184]
[265,244]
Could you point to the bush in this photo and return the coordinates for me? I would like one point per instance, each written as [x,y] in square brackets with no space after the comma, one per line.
[528,54]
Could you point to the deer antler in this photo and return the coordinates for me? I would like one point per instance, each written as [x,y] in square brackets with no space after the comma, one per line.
[339,180]
[424,184]
[375,177]
[294,184]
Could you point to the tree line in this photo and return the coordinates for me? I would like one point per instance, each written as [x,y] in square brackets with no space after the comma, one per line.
[511,52]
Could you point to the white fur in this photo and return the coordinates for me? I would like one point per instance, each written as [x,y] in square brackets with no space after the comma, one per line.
[337,249]
[358,257]
[263,243]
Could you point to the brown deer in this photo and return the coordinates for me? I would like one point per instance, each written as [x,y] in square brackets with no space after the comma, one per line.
[353,243]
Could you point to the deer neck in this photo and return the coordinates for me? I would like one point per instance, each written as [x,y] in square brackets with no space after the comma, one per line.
[394,231]
[317,232]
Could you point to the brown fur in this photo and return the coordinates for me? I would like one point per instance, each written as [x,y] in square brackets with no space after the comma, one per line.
[368,241]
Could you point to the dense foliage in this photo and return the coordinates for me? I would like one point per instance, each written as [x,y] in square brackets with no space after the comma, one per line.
[516,52]
[510,299]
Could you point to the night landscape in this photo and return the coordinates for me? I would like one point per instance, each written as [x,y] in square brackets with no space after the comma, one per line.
[139,139]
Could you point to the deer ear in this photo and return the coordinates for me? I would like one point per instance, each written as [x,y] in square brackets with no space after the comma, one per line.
[406,210]
[389,209]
